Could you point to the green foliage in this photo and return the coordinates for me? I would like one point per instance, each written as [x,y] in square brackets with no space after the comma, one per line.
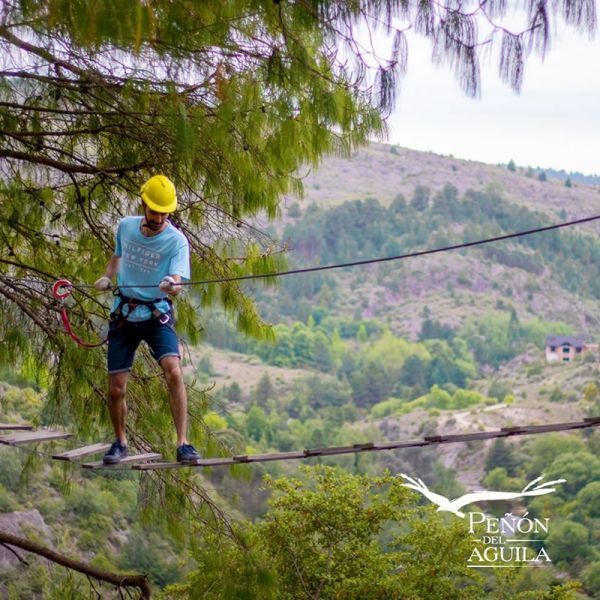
[502,454]
[591,578]
[420,199]
[148,553]
[545,449]
[511,165]
[436,398]
[325,537]
[25,402]
[257,424]
[578,468]
[10,468]
[567,541]
[7,501]
[498,336]
[234,393]
[264,390]
[205,366]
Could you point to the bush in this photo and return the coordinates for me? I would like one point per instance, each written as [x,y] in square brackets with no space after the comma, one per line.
[10,469]
[7,501]
[591,579]
[148,553]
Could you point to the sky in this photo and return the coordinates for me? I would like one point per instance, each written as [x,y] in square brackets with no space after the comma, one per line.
[553,123]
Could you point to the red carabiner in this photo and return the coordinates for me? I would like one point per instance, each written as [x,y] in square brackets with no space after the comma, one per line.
[62,284]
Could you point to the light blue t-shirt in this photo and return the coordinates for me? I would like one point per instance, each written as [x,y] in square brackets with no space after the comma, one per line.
[146,260]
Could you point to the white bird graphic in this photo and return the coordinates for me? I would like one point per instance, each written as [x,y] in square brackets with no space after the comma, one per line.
[453,506]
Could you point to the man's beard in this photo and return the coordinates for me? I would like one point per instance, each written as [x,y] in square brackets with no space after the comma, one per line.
[152,225]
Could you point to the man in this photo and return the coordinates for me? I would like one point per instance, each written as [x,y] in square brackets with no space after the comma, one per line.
[149,251]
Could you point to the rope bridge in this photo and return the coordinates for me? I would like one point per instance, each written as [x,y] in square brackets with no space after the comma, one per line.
[23,434]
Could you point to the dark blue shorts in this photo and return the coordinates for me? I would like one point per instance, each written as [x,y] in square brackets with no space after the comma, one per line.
[124,339]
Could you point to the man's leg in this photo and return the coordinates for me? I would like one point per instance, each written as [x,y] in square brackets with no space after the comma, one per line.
[117,407]
[177,395]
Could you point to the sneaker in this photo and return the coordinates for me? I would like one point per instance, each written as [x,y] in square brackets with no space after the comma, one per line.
[115,454]
[187,454]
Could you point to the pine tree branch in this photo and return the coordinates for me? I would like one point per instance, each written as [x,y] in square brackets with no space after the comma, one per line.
[66,167]
[116,579]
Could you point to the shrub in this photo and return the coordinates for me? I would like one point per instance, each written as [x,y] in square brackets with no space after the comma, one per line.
[7,501]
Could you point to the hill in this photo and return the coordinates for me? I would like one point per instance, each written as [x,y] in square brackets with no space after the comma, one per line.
[382,171]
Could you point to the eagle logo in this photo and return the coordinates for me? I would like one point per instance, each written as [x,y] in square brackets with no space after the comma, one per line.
[453,506]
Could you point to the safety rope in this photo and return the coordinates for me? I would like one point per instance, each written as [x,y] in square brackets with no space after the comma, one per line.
[60,290]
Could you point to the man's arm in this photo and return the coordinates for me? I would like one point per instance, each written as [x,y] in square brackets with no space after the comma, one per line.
[112,268]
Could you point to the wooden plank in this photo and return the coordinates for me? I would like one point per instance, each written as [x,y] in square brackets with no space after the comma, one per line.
[465,437]
[400,444]
[329,451]
[276,456]
[364,446]
[81,452]
[15,427]
[225,460]
[529,429]
[203,462]
[592,420]
[129,460]
[512,430]
[158,465]
[27,437]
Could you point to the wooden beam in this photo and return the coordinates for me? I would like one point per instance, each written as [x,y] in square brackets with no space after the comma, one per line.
[203,462]
[28,437]
[464,437]
[129,460]
[81,452]
[400,444]
[15,427]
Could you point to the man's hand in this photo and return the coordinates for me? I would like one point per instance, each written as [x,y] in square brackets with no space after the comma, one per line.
[167,284]
[103,284]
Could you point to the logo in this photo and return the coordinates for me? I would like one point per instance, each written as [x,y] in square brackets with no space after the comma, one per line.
[499,534]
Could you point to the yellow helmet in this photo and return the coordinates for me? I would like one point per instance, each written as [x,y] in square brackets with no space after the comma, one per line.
[158,193]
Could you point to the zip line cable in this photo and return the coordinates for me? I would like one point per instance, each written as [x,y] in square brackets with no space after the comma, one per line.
[356,263]
[377,260]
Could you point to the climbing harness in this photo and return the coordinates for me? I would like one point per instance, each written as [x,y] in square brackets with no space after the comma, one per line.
[63,288]
[131,303]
